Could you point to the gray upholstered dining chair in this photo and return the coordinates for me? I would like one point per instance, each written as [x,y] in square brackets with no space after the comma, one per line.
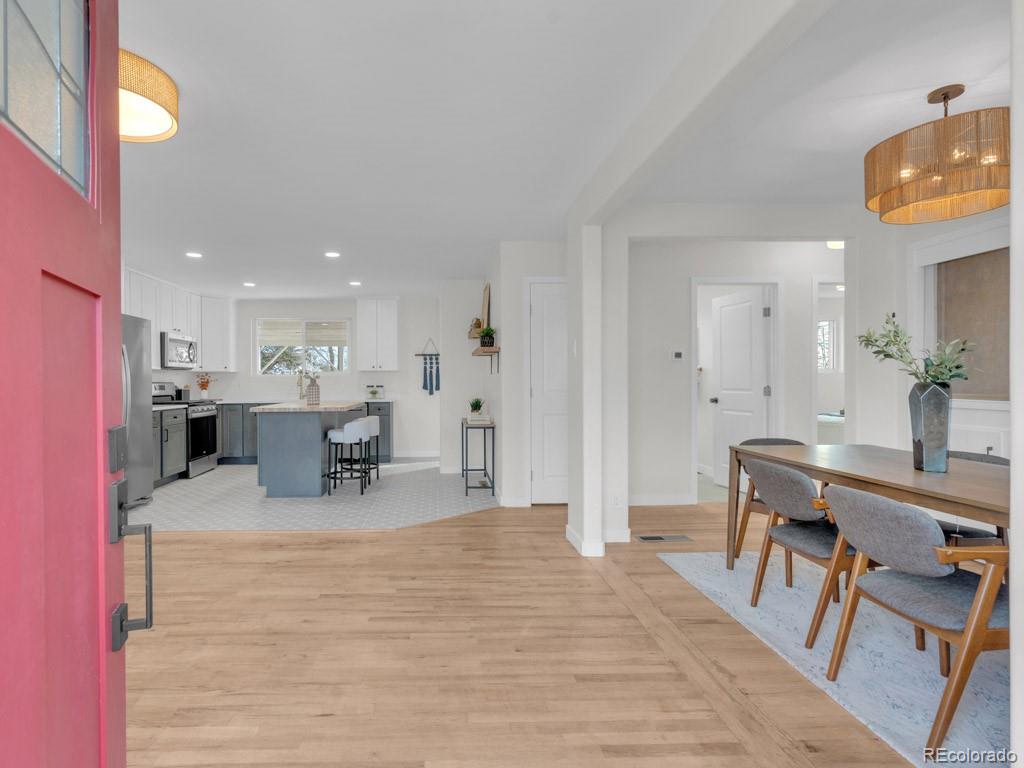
[752,502]
[921,585]
[965,535]
[791,495]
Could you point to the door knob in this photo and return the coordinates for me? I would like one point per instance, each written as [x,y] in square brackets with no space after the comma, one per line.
[713,401]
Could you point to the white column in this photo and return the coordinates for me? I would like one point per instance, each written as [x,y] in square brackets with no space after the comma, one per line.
[583,269]
[1017,374]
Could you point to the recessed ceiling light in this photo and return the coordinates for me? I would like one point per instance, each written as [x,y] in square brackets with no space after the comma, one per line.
[835,245]
[193,254]
[332,254]
[354,283]
[840,287]
[249,285]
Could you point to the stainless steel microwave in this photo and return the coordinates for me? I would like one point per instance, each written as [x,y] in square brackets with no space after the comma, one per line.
[177,350]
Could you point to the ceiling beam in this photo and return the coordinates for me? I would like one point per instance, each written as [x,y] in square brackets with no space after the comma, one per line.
[740,41]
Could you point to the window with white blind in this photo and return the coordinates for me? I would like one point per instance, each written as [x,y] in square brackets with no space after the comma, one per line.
[287,346]
[44,73]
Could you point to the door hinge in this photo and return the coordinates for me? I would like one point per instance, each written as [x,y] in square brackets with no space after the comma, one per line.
[766,311]
[767,390]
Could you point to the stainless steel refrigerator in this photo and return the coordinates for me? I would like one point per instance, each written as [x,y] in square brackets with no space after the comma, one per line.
[137,388]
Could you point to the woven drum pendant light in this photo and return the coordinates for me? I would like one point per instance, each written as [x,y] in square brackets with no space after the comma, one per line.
[945,169]
[148,100]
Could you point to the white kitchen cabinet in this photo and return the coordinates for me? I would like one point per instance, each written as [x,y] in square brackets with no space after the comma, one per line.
[217,341]
[377,334]
[143,301]
[194,327]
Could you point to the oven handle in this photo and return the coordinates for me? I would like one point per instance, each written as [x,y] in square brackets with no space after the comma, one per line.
[211,414]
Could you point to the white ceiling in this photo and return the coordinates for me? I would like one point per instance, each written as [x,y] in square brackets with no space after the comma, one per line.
[798,130]
[410,135]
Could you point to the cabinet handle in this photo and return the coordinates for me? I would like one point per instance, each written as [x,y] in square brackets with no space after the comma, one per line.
[167,434]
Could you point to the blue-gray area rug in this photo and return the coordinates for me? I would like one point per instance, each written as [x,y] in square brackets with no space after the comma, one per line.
[884,682]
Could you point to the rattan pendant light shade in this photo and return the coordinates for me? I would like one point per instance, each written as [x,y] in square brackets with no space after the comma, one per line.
[945,169]
[148,100]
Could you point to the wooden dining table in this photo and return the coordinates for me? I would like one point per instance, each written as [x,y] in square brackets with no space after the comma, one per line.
[970,489]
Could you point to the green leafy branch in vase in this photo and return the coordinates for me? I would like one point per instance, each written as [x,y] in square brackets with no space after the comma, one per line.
[940,366]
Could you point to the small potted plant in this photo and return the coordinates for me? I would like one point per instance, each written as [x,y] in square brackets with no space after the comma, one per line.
[204,380]
[476,405]
[487,336]
[930,398]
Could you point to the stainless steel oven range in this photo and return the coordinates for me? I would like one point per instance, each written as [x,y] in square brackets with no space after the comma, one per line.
[203,429]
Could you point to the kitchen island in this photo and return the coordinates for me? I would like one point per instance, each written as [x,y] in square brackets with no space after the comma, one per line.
[293,444]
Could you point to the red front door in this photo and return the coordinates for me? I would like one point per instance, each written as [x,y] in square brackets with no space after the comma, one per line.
[62,696]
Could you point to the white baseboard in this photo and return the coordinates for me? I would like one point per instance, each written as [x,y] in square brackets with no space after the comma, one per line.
[705,469]
[621,536]
[662,499]
[585,548]
[418,455]
[512,501]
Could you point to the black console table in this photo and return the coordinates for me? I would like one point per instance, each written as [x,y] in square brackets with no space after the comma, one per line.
[488,472]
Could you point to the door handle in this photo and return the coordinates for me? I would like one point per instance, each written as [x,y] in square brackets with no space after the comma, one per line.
[121,625]
[167,435]
[713,401]
[126,388]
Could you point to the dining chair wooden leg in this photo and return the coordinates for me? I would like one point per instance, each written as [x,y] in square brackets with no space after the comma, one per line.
[835,592]
[828,587]
[789,568]
[860,563]
[762,564]
[745,518]
[943,657]
[971,645]
[919,638]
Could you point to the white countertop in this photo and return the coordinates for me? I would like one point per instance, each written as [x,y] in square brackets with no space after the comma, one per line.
[250,401]
[300,406]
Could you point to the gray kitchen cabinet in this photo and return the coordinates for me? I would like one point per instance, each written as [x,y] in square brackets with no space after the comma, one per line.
[158,442]
[220,429]
[250,428]
[239,433]
[174,453]
[232,431]
[384,412]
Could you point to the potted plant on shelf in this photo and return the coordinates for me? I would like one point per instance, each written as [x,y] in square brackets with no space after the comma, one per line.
[476,405]
[487,336]
[930,397]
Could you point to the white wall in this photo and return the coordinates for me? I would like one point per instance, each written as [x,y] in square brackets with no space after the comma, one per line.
[416,415]
[661,424]
[831,384]
[517,263]
[463,376]
[875,273]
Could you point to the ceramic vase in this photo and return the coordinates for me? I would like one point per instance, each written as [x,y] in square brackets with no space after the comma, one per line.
[929,424]
[313,392]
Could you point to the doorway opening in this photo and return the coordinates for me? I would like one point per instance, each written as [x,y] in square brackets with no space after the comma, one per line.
[736,391]
[829,370]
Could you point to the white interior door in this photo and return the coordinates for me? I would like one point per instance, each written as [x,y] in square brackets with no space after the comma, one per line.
[549,387]
[740,337]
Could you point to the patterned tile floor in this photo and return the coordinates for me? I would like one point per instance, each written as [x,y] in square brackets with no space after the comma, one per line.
[228,499]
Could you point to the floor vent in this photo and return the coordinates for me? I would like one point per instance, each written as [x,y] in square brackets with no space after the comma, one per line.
[664,537]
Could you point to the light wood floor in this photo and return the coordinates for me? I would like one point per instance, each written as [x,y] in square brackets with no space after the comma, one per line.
[481,641]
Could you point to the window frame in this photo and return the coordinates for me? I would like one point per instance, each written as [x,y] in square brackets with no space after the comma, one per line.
[84,99]
[833,349]
[346,356]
